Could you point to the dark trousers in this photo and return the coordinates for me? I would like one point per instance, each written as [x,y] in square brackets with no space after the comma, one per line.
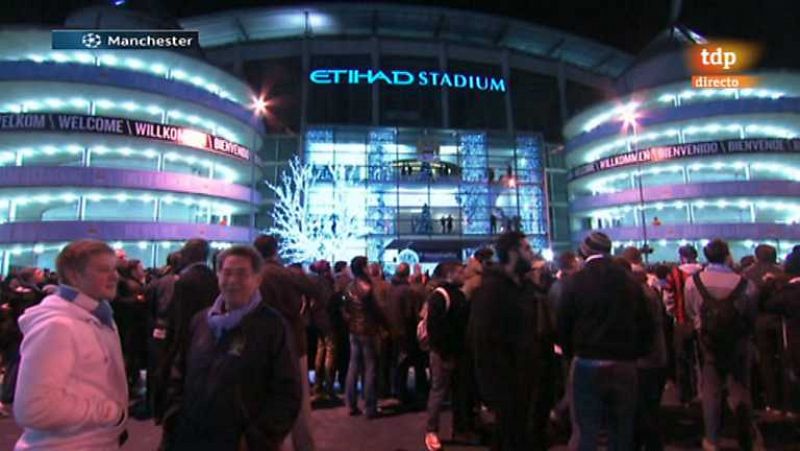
[442,372]
[410,356]
[156,351]
[523,413]
[342,358]
[325,365]
[735,377]
[769,343]
[11,360]
[648,418]
[685,342]
[387,365]
[450,375]
[791,386]
[362,348]
[603,389]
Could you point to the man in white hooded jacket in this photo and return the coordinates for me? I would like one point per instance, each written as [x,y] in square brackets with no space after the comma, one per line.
[72,392]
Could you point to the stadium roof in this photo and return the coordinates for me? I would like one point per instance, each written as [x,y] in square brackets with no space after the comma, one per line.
[408,22]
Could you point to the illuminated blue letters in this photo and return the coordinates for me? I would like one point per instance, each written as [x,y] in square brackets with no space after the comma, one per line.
[320,77]
[406,78]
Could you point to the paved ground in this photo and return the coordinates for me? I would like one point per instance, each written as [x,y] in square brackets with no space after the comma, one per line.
[335,431]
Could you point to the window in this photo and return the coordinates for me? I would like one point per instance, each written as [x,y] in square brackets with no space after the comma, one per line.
[410,105]
[534,99]
[472,108]
[343,103]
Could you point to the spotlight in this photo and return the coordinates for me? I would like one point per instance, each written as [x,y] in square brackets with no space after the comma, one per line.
[259,105]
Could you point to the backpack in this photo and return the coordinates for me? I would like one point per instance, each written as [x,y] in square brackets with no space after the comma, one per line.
[722,325]
[422,327]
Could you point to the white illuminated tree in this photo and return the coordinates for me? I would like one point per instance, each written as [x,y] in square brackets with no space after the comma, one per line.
[310,232]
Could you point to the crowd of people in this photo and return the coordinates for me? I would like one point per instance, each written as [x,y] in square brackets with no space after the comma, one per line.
[217,349]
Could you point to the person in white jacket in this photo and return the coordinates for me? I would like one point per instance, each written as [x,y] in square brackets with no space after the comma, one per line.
[72,392]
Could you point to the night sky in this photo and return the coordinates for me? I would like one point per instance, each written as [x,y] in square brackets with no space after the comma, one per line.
[626,24]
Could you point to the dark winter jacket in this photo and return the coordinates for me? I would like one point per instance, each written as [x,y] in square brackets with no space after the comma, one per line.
[603,314]
[510,347]
[284,290]
[786,303]
[361,310]
[158,295]
[400,308]
[244,386]
[447,326]
[195,290]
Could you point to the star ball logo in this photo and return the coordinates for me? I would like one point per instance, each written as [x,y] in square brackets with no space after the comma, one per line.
[719,64]
[92,40]
[124,39]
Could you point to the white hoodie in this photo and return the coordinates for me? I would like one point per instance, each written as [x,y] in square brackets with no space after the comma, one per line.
[72,391]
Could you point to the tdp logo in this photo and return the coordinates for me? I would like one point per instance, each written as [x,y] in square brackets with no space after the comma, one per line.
[718,58]
[718,65]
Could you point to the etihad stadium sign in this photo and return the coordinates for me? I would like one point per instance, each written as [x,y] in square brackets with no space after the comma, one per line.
[407,78]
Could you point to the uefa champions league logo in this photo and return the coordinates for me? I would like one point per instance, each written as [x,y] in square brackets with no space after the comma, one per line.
[91,40]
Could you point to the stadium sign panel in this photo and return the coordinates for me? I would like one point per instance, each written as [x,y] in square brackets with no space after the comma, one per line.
[678,151]
[406,78]
[124,127]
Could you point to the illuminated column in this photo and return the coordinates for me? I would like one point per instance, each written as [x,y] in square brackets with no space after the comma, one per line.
[506,74]
[562,92]
[6,261]
[445,91]
[81,208]
[305,63]
[154,254]
[376,64]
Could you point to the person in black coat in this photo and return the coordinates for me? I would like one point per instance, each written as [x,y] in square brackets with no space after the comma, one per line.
[157,296]
[236,385]
[195,290]
[605,324]
[510,350]
[786,303]
[447,317]
[25,292]
[403,316]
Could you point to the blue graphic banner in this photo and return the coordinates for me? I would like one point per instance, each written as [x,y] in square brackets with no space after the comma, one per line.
[124,39]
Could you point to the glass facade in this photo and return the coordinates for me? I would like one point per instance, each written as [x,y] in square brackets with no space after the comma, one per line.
[451,189]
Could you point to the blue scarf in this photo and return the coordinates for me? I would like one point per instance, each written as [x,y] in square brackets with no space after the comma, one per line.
[100,309]
[221,322]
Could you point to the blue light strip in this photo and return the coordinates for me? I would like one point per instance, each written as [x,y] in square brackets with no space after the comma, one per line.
[474,198]
[532,201]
